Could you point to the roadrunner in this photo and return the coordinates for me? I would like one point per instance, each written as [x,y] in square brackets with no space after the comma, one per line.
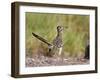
[54,48]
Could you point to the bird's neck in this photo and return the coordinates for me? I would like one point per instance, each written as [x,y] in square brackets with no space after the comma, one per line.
[59,34]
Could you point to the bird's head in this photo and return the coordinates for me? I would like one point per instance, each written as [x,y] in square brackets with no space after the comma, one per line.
[59,28]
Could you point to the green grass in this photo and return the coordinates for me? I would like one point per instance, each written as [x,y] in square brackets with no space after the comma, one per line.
[44,24]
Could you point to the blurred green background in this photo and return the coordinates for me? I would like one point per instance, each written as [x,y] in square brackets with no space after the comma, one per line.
[44,24]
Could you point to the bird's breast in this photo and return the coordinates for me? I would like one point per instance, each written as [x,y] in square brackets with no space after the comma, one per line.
[60,51]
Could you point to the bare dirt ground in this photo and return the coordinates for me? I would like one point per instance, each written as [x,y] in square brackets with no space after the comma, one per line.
[41,60]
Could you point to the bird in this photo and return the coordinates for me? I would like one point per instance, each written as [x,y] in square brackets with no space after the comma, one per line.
[54,48]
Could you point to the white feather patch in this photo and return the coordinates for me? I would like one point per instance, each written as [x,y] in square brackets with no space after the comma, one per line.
[60,51]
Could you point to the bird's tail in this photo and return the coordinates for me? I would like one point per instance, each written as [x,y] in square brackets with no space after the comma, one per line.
[41,39]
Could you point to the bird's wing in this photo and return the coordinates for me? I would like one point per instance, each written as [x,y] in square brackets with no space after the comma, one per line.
[41,39]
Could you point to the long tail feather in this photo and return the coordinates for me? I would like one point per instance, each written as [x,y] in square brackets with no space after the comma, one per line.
[41,39]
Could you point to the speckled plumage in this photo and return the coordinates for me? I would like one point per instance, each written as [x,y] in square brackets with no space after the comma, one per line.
[57,43]
[55,48]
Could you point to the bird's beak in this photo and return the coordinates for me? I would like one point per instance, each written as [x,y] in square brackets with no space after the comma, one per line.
[66,27]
